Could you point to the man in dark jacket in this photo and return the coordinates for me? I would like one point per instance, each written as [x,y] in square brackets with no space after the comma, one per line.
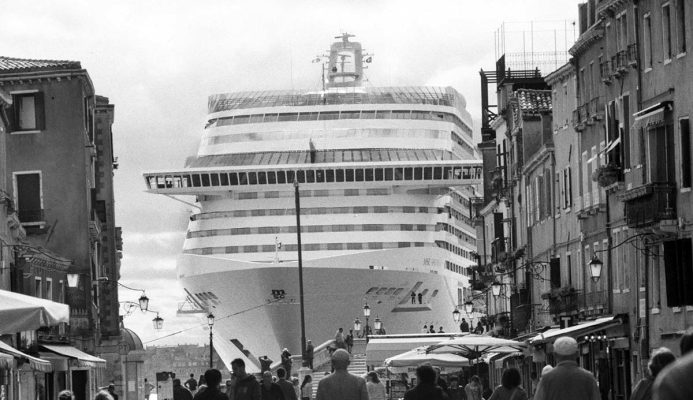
[271,390]
[247,387]
[426,389]
[213,379]
[309,354]
[180,392]
[286,361]
[286,386]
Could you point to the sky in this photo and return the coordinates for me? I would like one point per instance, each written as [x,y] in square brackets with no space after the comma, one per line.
[158,60]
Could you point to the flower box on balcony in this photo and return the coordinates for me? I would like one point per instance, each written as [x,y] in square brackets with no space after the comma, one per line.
[607,175]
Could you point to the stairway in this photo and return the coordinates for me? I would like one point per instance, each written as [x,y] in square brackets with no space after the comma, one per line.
[356,367]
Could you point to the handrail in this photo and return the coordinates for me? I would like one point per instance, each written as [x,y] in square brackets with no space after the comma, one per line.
[321,355]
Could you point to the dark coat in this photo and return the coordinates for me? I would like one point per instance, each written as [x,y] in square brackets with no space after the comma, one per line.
[426,392]
[273,393]
[182,393]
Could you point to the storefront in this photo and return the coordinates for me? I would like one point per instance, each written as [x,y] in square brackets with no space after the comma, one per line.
[23,377]
[73,369]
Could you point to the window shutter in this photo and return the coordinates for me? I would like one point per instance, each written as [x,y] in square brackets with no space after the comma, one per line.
[40,111]
[671,274]
[685,264]
[555,272]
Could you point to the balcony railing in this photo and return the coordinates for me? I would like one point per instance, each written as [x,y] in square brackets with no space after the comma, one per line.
[619,62]
[596,108]
[584,113]
[564,303]
[576,118]
[649,204]
[632,55]
[605,71]
[498,250]
[31,216]
[596,299]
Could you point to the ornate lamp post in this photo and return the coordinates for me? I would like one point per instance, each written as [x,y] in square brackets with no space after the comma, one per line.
[468,307]
[496,288]
[595,268]
[357,325]
[367,314]
[378,324]
[210,322]
[456,315]
[158,322]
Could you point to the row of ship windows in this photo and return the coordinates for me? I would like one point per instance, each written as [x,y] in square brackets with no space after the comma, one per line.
[450,266]
[306,247]
[455,249]
[318,211]
[361,133]
[333,115]
[314,176]
[262,230]
[313,193]
[312,229]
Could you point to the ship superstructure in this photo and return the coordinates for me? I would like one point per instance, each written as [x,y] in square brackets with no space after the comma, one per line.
[385,176]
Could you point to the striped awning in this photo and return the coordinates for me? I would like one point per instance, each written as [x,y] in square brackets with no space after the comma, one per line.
[36,364]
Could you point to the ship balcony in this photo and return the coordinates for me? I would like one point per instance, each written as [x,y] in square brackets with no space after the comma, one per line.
[422,174]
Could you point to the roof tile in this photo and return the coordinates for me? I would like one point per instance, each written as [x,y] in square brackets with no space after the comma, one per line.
[9,64]
[534,100]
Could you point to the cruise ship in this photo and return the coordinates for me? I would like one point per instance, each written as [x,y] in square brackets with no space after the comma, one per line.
[385,177]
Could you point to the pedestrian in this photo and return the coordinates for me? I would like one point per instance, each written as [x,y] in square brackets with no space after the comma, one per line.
[464,326]
[286,361]
[307,388]
[413,298]
[509,387]
[213,391]
[439,380]
[66,395]
[180,392]
[420,296]
[674,383]
[286,386]
[201,384]
[547,368]
[426,388]
[111,391]
[473,390]
[425,329]
[349,339]
[660,358]
[103,395]
[148,388]
[309,354]
[440,330]
[455,392]
[265,363]
[431,329]
[341,385]
[247,387]
[269,389]
[567,381]
[191,384]
[339,339]
[479,328]
[231,387]
[297,389]
[375,387]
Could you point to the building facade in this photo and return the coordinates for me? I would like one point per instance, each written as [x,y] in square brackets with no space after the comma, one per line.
[182,360]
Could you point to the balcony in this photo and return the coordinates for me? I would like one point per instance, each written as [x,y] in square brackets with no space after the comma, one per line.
[596,108]
[619,63]
[605,72]
[576,119]
[594,300]
[632,55]
[649,204]
[498,250]
[563,304]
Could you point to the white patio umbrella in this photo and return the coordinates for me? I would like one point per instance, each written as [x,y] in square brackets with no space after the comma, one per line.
[474,346]
[419,355]
[20,312]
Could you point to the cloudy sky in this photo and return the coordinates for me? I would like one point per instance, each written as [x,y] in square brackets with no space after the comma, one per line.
[158,61]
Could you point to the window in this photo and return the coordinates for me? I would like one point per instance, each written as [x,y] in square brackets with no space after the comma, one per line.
[29,199]
[678,266]
[28,111]
[684,128]
[38,287]
[647,40]
[681,26]
[660,161]
[666,31]
[49,288]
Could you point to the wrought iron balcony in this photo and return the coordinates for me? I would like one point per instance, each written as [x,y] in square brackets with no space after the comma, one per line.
[576,119]
[619,62]
[31,216]
[632,55]
[649,204]
[596,108]
[596,299]
[564,303]
[605,72]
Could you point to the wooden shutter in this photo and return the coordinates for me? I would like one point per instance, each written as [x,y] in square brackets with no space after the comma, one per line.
[39,111]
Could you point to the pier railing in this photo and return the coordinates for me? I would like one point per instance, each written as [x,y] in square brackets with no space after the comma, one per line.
[321,356]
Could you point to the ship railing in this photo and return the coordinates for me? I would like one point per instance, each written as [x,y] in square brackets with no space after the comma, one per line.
[321,356]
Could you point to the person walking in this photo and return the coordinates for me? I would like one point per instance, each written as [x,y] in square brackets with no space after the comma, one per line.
[180,392]
[111,391]
[674,383]
[413,298]
[191,384]
[426,388]
[201,384]
[148,388]
[286,386]
[440,330]
[660,358]
[341,385]
[479,328]
[286,361]
[213,392]
[270,390]
[431,329]
[247,387]
[265,363]
[509,389]
[567,381]
[349,339]
[339,339]
[307,388]
[420,296]
[455,392]
[231,387]
[425,329]
[464,326]
[309,354]
[473,389]
[375,387]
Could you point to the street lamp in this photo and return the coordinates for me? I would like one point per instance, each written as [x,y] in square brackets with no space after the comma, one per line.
[496,288]
[158,322]
[377,324]
[595,268]
[367,314]
[144,302]
[468,307]
[210,322]
[357,325]
[456,315]
[72,280]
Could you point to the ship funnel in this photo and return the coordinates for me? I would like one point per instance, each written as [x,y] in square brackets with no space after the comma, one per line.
[345,68]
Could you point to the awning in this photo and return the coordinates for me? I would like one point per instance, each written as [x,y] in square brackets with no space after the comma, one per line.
[19,312]
[417,356]
[6,361]
[36,363]
[576,331]
[83,359]
[651,116]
